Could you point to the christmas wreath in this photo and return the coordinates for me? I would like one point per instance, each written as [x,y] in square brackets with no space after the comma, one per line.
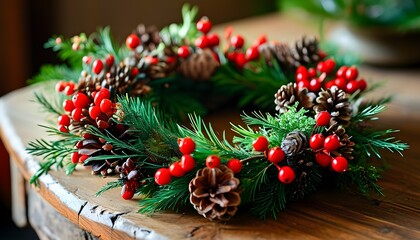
[118,109]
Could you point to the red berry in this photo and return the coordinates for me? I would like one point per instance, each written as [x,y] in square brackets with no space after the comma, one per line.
[69,89]
[237,41]
[110,60]
[212,161]
[328,66]
[62,128]
[183,51]
[68,105]
[286,174]
[332,142]
[83,158]
[303,70]
[275,155]
[340,83]
[301,76]
[60,86]
[260,144]
[341,72]
[186,145]
[74,157]
[77,114]
[94,112]
[170,59]
[311,72]
[97,66]
[231,56]
[235,165]
[202,42]
[323,118]
[320,66]
[352,86]
[213,40]
[315,85]
[362,84]
[127,192]
[176,170]
[339,164]
[134,72]
[351,73]
[329,84]
[87,59]
[261,40]
[64,120]
[317,141]
[240,60]
[132,41]
[80,100]
[163,176]
[302,84]
[252,53]
[106,106]
[323,159]
[101,95]
[204,25]
[187,163]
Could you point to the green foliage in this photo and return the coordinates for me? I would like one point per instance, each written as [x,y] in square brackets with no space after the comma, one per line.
[362,177]
[49,106]
[55,72]
[108,186]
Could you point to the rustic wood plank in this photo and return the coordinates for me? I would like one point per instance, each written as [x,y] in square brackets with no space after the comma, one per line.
[18,195]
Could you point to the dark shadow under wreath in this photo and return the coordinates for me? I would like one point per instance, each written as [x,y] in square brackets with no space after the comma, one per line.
[117,105]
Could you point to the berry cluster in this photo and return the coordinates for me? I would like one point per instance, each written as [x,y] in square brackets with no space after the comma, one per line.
[322,145]
[236,53]
[275,155]
[345,78]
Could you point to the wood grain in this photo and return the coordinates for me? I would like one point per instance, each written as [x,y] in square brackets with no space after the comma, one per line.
[324,215]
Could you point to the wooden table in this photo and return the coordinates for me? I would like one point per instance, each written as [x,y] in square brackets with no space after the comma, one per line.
[325,215]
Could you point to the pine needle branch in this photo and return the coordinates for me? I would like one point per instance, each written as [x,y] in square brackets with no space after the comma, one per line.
[109,186]
[48,105]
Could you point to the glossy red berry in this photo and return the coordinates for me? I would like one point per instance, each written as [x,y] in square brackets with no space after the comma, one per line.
[323,159]
[237,41]
[64,120]
[104,93]
[340,83]
[202,42]
[261,40]
[163,176]
[332,142]
[362,84]
[286,175]
[311,72]
[329,84]
[351,73]
[204,25]
[83,158]
[213,40]
[80,100]
[303,70]
[69,89]
[231,56]
[240,60]
[94,112]
[316,141]
[323,118]
[352,86]
[127,192]
[97,66]
[60,86]
[62,128]
[134,72]
[187,163]
[106,105]
[68,105]
[212,161]
[315,85]
[186,145]
[77,114]
[301,76]
[275,155]
[341,72]
[176,170]
[74,157]
[183,51]
[302,84]
[260,144]
[252,53]
[339,164]
[110,60]
[132,41]
[235,165]
[328,66]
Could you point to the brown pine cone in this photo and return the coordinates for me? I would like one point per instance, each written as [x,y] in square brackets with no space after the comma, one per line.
[336,102]
[200,66]
[288,95]
[306,51]
[214,193]
[346,145]
[149,36]
[283,54]
[294,143]
[304,181]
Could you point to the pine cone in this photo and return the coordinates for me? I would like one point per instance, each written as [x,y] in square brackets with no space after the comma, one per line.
[305,180]
[294,143]
[287,96]
[149,36]
[336,102]
[306,51]
[347,146]
[214,193]
[199,66]
[283,54]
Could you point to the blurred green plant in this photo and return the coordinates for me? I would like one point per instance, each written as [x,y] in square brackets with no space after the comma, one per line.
[401,15]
